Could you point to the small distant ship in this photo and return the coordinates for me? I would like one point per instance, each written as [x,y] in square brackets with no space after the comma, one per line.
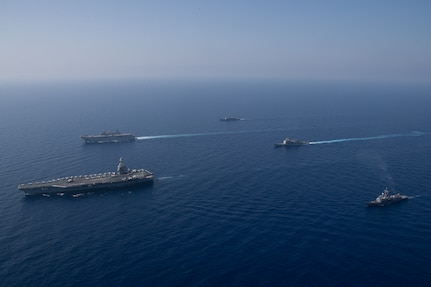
[385,199]
[229,119]
[291,142]
[109,137]
[123,177]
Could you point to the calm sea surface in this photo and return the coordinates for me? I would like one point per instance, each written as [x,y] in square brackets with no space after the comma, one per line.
[226,208]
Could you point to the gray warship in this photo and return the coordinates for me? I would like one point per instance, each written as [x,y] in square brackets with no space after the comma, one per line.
[229,119]
[291,142]
[108,137]
[385,199]
[123,177]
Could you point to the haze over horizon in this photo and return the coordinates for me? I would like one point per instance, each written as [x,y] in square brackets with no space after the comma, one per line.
[353,40]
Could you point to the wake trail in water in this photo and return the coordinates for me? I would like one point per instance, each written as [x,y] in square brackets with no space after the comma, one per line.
[410,134]
[204,134]
[417,196]
[171,177]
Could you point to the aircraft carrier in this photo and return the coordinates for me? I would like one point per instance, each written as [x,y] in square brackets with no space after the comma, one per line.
[108,137]
[123,177]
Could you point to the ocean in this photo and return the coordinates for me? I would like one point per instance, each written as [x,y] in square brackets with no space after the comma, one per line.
[226,207]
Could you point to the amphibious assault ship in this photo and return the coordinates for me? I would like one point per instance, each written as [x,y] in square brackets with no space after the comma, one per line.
[291,142]
[385,199]
[123,177]
[109,137]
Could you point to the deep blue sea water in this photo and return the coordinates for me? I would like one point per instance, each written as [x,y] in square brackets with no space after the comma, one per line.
[226,208]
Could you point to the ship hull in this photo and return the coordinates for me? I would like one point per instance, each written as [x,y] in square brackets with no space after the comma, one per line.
[51,190]
[387,202]
[290,144]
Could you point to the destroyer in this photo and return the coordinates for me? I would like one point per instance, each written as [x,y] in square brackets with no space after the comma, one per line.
[386,199]
[229,119]
[123,177]
[291,142]
[109,137]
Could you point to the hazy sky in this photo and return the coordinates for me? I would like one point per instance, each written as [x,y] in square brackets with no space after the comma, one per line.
[346,39]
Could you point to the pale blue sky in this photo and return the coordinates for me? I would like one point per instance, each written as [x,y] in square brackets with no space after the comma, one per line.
[296,39]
